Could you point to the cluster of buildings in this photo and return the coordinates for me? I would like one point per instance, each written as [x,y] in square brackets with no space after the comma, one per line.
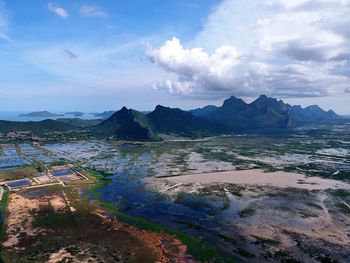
[18,135]
[62,175]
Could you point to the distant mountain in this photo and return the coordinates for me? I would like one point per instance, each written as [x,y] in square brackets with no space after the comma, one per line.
[235,115]
[105,114]
[176,121]
[38,127]
[200,112]
[40,114]
[266,113]
[75,113]
[127,124]
[311,114]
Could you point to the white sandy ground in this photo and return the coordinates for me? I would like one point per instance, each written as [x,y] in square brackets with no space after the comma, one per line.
[259,177]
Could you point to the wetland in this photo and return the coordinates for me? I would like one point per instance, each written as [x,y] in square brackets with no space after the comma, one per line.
[247,198]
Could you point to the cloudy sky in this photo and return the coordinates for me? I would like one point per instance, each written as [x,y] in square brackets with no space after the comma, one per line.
[98,55]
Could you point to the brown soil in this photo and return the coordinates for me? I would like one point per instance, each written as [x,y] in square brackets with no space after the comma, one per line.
[43,226]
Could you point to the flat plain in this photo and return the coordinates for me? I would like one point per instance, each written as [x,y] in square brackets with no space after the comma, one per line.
[247,198]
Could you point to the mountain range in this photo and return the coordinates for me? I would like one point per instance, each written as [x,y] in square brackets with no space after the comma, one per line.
[234,116]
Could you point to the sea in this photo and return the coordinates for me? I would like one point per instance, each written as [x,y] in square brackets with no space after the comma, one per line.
[15,116]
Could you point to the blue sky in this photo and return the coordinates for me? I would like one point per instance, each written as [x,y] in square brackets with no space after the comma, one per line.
[97,55]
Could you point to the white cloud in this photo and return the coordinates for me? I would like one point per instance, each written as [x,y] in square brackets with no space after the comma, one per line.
[284,48]
[225,72]
[58,10]
[91,11]
[309,4]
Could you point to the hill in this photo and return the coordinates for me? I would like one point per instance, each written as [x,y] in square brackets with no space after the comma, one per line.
[126,124]
[176,121]
[200,112]
[266,113]
[80,122]
[262,115]
[38,127]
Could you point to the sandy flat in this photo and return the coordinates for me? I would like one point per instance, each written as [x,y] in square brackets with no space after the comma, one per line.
[259,177]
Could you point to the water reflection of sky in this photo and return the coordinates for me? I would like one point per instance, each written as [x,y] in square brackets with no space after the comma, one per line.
[11,158]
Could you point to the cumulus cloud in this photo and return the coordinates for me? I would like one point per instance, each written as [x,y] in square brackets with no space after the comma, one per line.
[347,90]
[283,48]
[308,4]
[91,11]
[226,72]
[69,54]
[58,10]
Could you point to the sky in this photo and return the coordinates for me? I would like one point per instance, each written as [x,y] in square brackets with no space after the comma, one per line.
[99,55]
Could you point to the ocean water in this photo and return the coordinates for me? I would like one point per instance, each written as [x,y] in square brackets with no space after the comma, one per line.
[15,116]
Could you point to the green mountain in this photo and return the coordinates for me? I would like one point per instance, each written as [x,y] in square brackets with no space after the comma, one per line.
[80,122]
[126,124]
[38,127]
[200,112]
[233,116]
[266,113]
[176,121]
[311,113]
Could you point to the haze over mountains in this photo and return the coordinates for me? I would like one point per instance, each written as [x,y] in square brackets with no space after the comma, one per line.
[233,116]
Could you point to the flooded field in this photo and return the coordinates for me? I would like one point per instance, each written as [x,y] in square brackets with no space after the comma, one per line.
[10,157]
[252,198]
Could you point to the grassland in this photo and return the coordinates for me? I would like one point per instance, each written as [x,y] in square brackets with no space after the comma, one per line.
[18,173]
[3,212]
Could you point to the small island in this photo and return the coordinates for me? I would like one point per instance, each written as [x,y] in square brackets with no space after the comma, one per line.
[40,114]
[75,113]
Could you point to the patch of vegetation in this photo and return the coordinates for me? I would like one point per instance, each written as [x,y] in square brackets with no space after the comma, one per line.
[247,212]
[234,190]
[189,200]
[227,239]
[196,247]
[188,224]
[100,175]
[208,154]
[59,162]
[18,173]
[49,218]
[18,149]
[343,208]
[341,193]
[54,220]
[3,211]
[266,241]
[314,206]
[282,256]
[244,253]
